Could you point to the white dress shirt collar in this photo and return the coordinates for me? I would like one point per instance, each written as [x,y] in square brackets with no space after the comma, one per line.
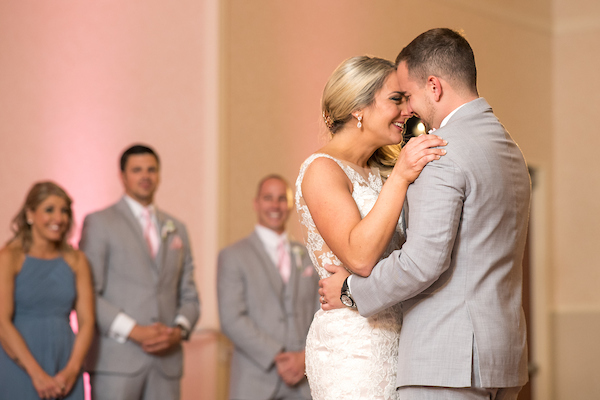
[447,118]
[138,212]
[270,240]
[138,209]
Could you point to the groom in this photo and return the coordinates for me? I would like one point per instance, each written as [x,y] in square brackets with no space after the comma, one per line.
[459,273]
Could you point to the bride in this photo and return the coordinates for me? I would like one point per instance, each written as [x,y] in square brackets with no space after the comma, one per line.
[351,218]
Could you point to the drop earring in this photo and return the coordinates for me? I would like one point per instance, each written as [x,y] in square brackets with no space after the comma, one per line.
[359,125]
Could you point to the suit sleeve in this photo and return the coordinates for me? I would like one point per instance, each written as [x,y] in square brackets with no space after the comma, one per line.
[94,243]
[188,302]
[317,303]
[435,202]
[249,338]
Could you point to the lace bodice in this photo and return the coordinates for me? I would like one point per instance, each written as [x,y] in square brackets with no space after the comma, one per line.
[365,190]
[348,356]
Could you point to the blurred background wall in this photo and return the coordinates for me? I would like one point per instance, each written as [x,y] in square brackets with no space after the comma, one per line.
[228,91]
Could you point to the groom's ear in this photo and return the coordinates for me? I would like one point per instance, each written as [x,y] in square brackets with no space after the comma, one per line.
[434,87]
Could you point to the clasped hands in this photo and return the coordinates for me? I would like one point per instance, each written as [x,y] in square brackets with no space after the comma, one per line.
[290,366]
[57,386]
[157,338]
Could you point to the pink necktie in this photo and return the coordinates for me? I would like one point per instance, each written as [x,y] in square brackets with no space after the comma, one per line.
[150,234]
[284,262]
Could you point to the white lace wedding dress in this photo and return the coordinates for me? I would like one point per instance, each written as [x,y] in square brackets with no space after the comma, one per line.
[349,356]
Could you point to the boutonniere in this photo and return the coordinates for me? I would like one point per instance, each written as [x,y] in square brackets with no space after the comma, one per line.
[176,243]
[298,252]
[168,227]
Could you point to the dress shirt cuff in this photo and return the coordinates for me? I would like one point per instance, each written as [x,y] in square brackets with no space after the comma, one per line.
[349,280]
[183,321]
[121,327]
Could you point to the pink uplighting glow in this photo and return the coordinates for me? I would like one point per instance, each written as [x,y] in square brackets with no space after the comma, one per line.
[82,81]
[86,377]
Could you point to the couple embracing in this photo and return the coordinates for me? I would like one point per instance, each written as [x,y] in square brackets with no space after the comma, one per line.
[421,278]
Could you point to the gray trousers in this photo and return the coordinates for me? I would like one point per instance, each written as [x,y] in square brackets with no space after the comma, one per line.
[149,384]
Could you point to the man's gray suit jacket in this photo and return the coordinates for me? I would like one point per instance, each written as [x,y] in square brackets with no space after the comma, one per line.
[460,271]
[262,316]
[128,279]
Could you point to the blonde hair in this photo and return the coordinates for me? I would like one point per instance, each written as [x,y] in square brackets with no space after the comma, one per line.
[353,86]
[37,194]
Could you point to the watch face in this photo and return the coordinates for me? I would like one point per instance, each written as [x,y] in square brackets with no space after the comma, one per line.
[346,300]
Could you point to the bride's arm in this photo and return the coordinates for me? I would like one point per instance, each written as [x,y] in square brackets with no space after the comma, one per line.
[359,243]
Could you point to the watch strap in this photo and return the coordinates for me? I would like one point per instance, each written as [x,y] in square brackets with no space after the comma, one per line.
[346,295]
[185,333]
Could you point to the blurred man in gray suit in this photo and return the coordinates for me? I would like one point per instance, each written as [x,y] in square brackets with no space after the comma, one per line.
[146,298]
[459,274]
[267,290]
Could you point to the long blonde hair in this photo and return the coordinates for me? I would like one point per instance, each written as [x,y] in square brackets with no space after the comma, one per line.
[353,86]
[37,194]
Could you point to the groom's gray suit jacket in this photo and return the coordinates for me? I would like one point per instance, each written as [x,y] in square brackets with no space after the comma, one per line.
[128,279]
[262,316]
[459,272]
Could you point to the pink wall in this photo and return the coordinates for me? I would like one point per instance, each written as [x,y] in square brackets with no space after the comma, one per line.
[81,81]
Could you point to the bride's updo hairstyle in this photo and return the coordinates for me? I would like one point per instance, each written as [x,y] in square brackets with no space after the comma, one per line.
[353,86]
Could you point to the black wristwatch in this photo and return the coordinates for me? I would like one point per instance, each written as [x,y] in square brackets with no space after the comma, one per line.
[185,333]
[346,296]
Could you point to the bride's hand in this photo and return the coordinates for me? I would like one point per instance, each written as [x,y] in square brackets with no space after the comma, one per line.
[331,288]
[416,154]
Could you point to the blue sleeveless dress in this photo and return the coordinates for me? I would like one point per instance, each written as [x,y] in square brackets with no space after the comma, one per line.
[44,297]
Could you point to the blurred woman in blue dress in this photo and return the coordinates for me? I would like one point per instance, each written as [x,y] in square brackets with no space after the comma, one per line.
[42,279]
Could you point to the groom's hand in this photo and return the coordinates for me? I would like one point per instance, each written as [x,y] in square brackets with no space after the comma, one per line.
[331,288]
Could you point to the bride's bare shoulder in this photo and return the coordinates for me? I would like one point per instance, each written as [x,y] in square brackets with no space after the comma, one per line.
[324,172]
[323,166]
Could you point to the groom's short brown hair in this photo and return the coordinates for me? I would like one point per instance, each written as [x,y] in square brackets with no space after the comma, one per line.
[444,53]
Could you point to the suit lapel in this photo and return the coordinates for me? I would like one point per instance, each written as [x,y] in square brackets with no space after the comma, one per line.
[124,209]
[162,250]
[294,275]
[267,265]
